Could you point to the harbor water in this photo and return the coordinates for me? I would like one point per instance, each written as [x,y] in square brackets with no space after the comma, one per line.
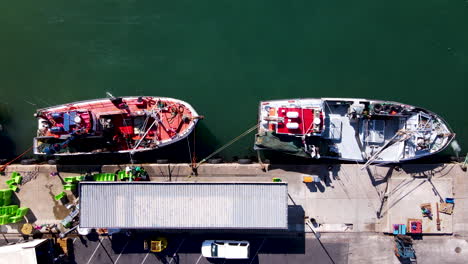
[223,57]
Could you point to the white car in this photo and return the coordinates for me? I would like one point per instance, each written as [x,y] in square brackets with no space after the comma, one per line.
[84,231]
[228,249]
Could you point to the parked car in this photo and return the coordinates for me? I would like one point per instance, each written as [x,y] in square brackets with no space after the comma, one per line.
[84,231]
[228,249]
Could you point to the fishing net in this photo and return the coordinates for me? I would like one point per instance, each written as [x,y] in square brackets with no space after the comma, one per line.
[266,140]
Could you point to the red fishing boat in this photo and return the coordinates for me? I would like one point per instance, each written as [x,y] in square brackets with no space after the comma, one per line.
[115,124]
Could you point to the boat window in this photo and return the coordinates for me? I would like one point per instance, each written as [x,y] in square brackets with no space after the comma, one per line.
[375,132]
[219,243]
[233,244]
[214,250]
[243,244]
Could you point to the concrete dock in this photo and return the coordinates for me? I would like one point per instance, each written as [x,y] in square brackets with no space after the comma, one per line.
[347,199]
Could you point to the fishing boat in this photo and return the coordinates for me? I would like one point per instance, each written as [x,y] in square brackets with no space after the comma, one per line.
[113,125]
[362,130]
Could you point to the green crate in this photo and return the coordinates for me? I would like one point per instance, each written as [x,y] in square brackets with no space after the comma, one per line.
[80,178]
[12,209]
[16,219]
[69,187]
[10,182]
[5,193]
[59,196]
[13,187]
[14,174]
[69,179]
[22,211]
[5,219]
[18,179]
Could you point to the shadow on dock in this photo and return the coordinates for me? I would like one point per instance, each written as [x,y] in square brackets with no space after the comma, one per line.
[427,170]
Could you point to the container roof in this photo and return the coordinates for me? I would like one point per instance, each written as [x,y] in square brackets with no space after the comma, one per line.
[207,205]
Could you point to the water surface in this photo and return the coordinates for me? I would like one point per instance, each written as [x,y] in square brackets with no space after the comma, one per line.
[224,56]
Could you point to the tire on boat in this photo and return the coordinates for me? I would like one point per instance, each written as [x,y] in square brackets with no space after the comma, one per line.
[377,108]
[162,161]
[387,108]
[396,108]
[28,161]
[52,162]
[244,161]
[215,161]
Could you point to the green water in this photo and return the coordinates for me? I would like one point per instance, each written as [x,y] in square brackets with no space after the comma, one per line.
[225,56]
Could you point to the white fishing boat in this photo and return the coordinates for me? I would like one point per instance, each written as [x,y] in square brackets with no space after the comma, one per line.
[362,130]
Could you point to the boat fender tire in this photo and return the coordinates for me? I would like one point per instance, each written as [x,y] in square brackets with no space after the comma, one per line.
[215,161]
[52,162]
[28,161]
[396,108]
[244,161]
[387,108]
[377,108]
[162,161]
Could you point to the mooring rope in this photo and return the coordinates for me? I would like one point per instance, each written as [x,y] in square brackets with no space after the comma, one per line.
[11,161]
[248,131]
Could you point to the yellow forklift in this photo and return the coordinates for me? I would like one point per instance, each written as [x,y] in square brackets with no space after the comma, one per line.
[157,244]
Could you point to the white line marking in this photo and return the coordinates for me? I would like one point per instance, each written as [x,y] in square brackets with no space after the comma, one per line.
[145,257]
[198,259]
[177,250]
[99,244]
[256,253]
[121,252]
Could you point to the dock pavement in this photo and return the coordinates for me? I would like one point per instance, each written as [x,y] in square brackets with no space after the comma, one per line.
[347,198]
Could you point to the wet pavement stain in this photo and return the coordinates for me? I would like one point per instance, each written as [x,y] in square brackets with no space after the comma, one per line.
[59,210]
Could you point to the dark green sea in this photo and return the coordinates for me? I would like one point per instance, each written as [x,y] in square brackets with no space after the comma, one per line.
[223,57]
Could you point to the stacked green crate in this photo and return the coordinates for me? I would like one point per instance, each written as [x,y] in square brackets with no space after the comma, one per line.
[14,180]
[10,213]
[71,182]
[104,177]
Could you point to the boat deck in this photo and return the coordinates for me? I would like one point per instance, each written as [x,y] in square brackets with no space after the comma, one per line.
[344,132]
